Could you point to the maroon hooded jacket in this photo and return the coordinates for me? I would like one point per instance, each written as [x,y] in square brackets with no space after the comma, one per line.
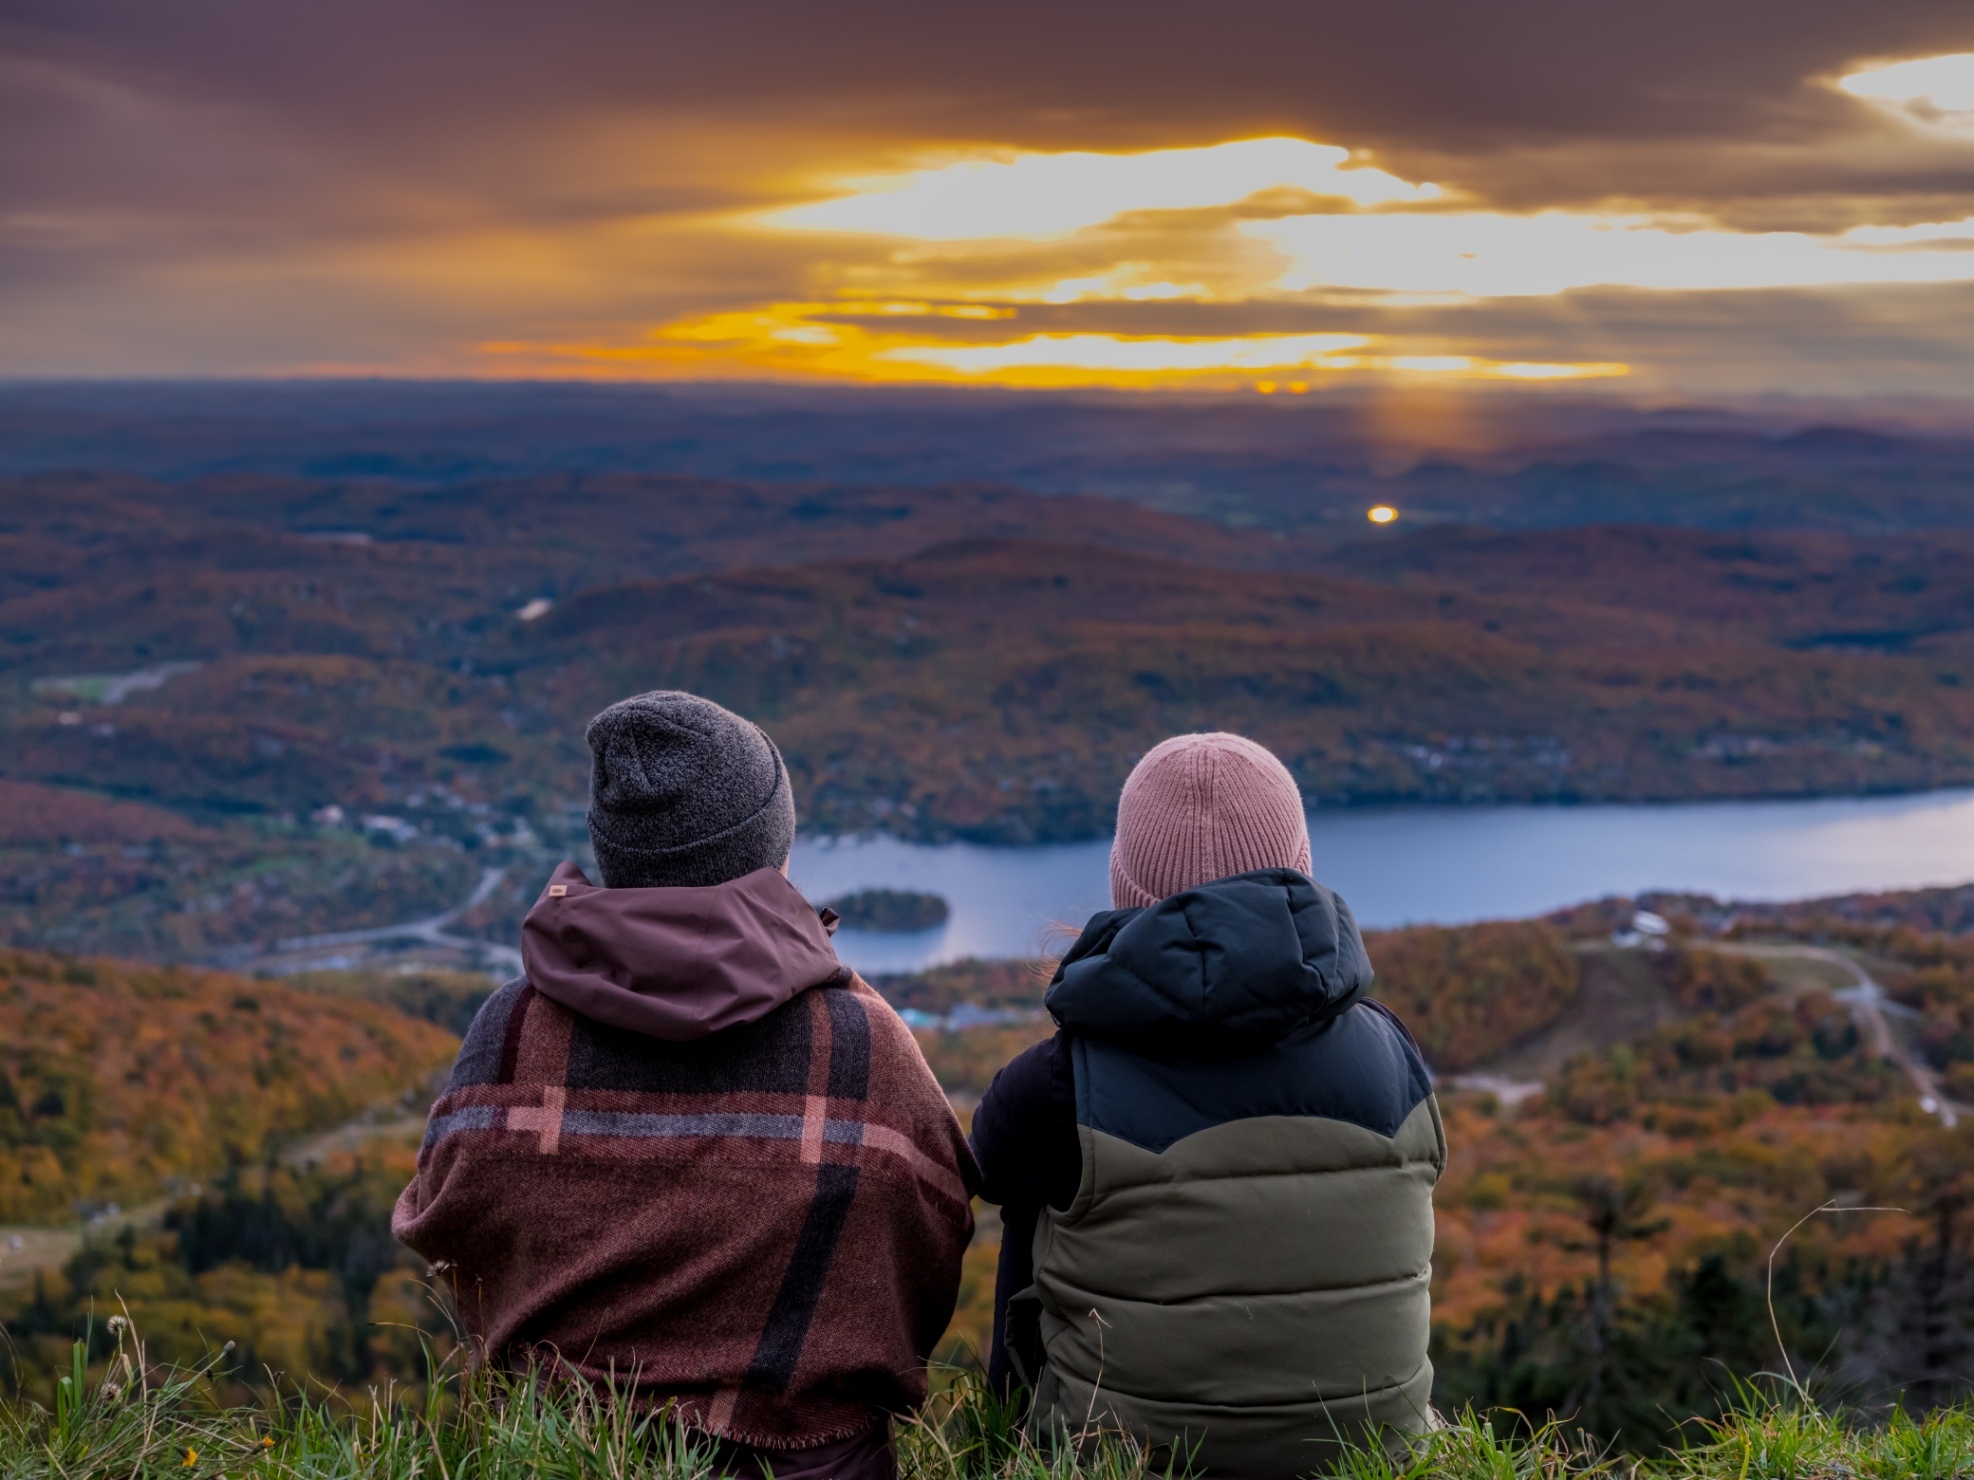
[690,1151]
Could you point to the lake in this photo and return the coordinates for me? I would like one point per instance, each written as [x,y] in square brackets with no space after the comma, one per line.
[1438,865]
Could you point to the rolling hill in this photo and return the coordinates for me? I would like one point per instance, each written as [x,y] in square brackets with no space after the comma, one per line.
[120,1082]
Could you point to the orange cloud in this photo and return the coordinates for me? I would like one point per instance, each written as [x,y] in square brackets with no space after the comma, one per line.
[457,189]
[822,340]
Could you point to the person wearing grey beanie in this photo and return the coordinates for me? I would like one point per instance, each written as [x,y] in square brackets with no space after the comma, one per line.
[684,793]
[690,1145]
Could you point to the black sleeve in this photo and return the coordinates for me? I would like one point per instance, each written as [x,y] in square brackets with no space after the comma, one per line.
[1024,1130]
[1024,1137]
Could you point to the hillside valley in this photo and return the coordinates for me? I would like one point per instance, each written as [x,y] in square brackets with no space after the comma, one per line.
[244,708]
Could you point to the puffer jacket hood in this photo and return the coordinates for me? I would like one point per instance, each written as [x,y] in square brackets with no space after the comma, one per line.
[1234,964]
[676,963]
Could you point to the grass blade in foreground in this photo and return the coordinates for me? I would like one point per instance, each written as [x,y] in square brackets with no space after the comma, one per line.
[484,1425]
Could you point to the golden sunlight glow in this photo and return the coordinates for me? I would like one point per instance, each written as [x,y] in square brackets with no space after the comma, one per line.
[857,309]
[1524,370]
[1045,195]
[1118,284]
[1382,514]
[1930,90]
[827,339]
[1467,367]
[998,279]
[1330,226]
[1117,352]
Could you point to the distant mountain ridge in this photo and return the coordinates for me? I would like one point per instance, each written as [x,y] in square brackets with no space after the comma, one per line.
[1278,462]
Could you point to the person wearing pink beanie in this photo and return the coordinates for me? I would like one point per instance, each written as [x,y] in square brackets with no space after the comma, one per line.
[1216,1178]
[1201,807]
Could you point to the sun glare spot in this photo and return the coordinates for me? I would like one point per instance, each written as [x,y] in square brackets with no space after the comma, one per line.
[1045,195]
[1382,514]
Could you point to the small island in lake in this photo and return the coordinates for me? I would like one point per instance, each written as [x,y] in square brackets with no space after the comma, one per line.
[890,911]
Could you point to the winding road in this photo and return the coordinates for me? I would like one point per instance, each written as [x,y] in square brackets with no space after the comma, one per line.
[430,929]
[1872,1010]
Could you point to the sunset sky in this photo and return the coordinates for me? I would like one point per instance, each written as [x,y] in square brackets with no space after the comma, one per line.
[1739,196]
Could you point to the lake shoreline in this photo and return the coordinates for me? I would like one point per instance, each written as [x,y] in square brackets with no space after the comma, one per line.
[1436,865]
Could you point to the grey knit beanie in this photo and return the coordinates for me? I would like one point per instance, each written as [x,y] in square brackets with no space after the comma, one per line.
[684,793]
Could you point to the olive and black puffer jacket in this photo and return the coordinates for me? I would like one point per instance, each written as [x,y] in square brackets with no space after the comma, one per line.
[1217,1186]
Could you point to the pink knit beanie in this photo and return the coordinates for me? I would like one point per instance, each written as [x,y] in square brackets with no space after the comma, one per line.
[1201,807]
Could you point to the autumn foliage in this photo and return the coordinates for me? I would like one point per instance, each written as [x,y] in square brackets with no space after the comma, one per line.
[1472,991]
[295,1267]
[1714,981]
[117,1079]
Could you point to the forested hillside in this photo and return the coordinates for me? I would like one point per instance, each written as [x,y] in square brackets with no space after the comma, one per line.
[1603,1230]
[328,703]
[295,1266]
[120,1082]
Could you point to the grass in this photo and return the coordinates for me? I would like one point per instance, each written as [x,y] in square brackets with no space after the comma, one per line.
[481,1425]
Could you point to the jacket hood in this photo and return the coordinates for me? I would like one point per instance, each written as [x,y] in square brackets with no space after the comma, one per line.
[1233,964]
[676,963]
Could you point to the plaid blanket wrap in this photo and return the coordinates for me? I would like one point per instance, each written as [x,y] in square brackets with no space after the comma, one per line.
[765,1224]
